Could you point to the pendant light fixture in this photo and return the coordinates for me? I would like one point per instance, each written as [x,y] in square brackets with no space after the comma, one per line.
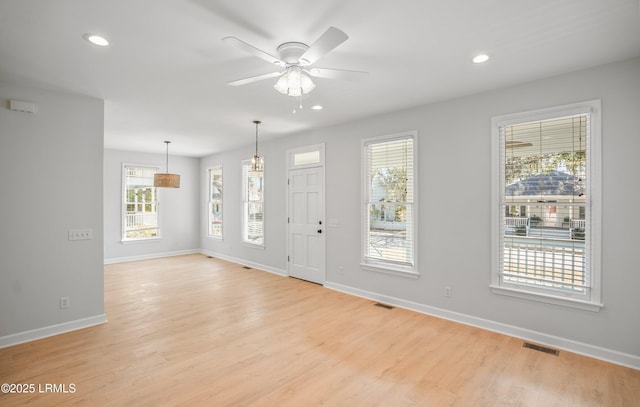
[256,161]
[166,180]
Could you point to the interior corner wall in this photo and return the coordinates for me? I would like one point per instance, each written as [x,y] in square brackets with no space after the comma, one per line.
[272,257]
[454,153]
[179,208]
[51,166]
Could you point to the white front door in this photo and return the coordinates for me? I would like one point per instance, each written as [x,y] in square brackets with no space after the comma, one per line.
[306,224]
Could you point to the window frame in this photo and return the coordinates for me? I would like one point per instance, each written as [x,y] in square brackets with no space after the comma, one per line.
[123,201]
[592,302]
[389,267]
[245,201]
[211,201]
[292,155]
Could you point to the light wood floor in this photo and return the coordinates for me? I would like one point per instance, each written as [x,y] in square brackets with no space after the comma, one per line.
[191,331]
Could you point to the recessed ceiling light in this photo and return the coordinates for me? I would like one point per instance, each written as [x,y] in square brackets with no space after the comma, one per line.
[316,107]
[96,39]
[478,59]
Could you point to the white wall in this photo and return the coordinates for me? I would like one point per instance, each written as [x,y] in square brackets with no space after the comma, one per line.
[454,192]
[51,166]
[179,208]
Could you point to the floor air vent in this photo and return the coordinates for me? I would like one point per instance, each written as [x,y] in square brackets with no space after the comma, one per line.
[381,305]
[541,348]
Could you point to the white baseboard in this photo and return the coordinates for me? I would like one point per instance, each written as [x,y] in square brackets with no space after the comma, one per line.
[149,256]
[243,262]
[596,352]
[51,330]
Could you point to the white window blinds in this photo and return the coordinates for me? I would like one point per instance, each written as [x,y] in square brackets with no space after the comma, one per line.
[215,202]
[545,206]
[253,204]
[389,211]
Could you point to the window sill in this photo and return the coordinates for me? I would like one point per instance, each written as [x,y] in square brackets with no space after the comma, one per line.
[146,240]
[390,270]
[547,298]
[253,245]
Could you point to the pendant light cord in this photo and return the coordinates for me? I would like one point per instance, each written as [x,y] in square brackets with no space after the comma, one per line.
[256,157]
[257,122]
[167,142]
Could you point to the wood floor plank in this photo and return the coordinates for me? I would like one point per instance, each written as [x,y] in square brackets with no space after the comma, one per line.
[192,330]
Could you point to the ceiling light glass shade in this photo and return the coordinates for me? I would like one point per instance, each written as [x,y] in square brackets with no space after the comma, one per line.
[256,161]
[257,164]
[166,180]
[294,82]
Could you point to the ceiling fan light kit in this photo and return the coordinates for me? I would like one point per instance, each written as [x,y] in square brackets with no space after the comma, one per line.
[294,82]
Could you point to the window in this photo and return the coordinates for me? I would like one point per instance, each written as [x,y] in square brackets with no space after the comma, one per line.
[389,208]
[140,203]
[252,204]
[547,204]
[306,157]
[215,202]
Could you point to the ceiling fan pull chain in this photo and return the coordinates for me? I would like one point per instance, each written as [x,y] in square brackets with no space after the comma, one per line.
[297,104]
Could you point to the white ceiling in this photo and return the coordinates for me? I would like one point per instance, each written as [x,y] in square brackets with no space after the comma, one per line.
[164,75]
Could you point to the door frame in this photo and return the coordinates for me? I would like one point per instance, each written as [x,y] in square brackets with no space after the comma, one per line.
[291,165]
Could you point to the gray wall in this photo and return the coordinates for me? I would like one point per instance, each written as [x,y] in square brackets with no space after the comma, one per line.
[179,208]
[273,256]
[455,208]
[51,166]
[63,142]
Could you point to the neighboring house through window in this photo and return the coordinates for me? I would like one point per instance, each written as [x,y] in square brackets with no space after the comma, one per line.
[546,191]
[252,204]
[389,209]
[139,203]
[215,202]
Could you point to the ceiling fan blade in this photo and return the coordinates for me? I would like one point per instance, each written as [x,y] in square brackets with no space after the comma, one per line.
[344,74]
[327,41]
[235,42]
[254,79]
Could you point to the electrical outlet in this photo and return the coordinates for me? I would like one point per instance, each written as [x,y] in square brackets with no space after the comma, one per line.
[448,292]
[80,234]
[341,269]
[65,302]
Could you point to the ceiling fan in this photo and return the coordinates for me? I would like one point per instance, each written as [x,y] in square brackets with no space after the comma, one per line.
[296,59]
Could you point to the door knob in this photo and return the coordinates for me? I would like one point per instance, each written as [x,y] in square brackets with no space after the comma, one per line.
[319,230]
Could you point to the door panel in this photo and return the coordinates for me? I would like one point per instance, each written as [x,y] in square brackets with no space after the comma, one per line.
[306,225]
